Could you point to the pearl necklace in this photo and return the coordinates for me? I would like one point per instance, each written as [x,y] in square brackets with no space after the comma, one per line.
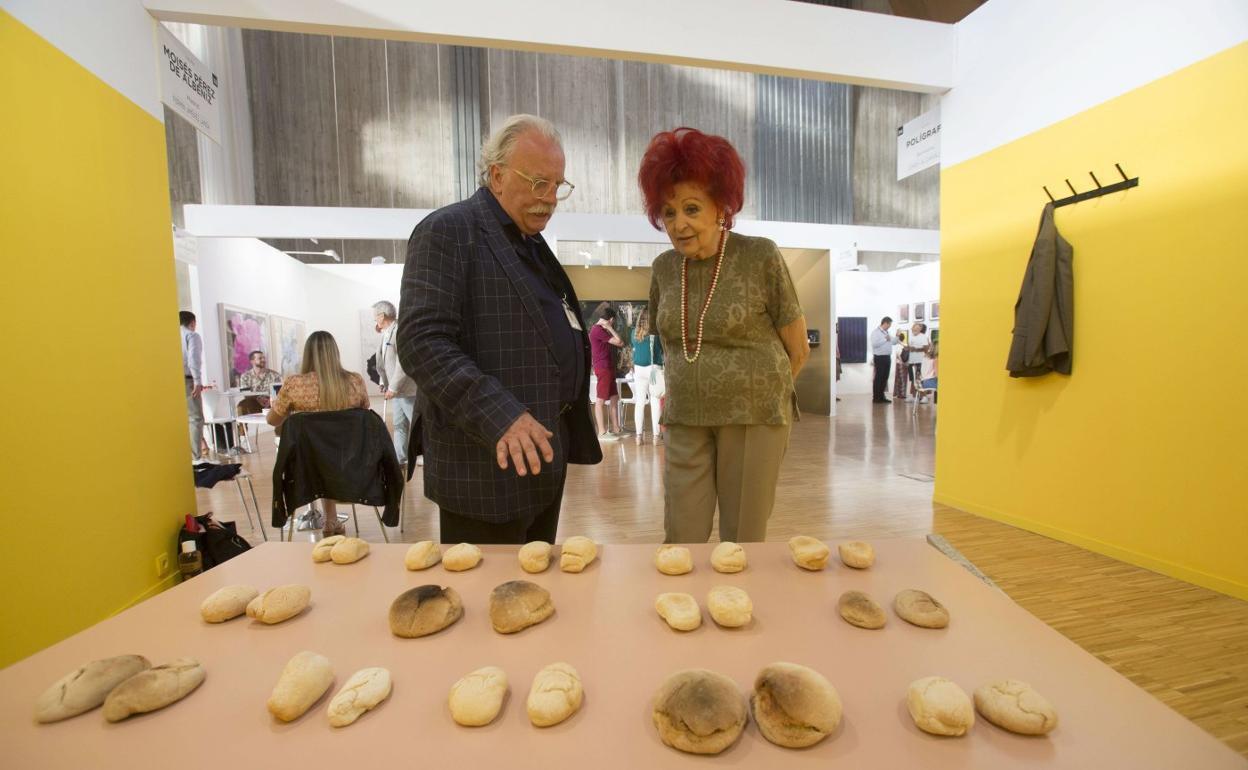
[684,304]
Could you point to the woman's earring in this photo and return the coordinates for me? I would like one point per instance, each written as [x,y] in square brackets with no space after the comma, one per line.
[721,223]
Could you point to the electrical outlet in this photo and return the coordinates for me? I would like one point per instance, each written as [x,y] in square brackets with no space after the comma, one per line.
[162,564]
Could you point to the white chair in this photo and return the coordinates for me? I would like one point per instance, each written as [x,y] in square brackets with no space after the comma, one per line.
[632,400]
[919,393]
[217,411]
[257,422]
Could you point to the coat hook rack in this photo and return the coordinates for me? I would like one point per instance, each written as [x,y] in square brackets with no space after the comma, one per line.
[1076,196]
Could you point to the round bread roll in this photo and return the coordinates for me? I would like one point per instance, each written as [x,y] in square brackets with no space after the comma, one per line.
[729,606]
[535,556]
[681,611]
[920,609]
[556,694]
[728,557]
[795,706]
[476,699]
[363,692]
[322,548]
[153,689]
[576,553]
[673,559]
[860,610]
[1015,706]
[518,604]
[422,555]
[86,687]
[424,610]
[940,707]
[461,557]
[349,550]
[226,603]
[304,680]
[278,604]
[699,711]
[856,554]
[809,553]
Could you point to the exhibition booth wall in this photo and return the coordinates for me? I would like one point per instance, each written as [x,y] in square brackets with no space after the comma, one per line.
[1137,454]
[96,464]
[875,295]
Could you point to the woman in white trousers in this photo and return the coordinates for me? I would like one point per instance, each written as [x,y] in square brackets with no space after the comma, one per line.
[648,383]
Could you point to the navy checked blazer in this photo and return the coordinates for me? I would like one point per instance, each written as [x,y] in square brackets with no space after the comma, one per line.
[474,338]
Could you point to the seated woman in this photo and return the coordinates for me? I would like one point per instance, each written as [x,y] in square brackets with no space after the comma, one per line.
[321,386]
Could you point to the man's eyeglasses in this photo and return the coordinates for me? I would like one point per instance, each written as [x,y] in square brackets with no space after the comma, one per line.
[542,187]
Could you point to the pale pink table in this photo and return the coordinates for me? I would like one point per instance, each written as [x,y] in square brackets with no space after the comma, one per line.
[606,627]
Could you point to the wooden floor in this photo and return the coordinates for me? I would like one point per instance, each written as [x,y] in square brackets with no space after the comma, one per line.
[868,473]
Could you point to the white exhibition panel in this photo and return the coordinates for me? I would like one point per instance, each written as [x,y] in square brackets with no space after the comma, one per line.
[779,38]
[397,224]
[1022,66]
[876,295]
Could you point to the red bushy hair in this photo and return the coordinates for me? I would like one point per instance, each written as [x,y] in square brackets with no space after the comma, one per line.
[688,155]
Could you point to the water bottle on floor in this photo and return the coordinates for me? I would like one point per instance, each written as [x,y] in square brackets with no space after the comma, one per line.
[190,561]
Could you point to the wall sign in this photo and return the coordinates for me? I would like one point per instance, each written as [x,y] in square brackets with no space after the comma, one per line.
[187,86]
[918,144]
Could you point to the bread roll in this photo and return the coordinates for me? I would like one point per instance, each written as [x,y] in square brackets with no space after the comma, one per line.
[556,694]
[304,680]
[681,611]
[535,556]
[809,553]
[1015,706]
[153,689]
[940,707]
[424,610]
[856,554]
[728,557]
[699,711]
[795,706]
[461,557]
[364,691]
[348,551]
[860,610]
[320,551]
[86,687]
[576,553]
[518,604]
[919,608]
[226,603]
[278,604]
[673,559]
[422,555]
[729,606]
[476,699]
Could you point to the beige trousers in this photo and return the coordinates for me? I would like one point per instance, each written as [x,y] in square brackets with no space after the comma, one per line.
[736,466]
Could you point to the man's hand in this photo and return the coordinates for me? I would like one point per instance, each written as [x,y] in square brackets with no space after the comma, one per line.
[196,390]
[390,394]
[522,441]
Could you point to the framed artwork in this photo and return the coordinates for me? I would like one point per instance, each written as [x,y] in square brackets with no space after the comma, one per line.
[242,331]
[286,351]
[627,313]
[918,311]
[903,314]
[933,308]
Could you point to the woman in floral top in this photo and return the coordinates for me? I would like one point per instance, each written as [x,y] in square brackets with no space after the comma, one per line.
[728,316]
[322,385]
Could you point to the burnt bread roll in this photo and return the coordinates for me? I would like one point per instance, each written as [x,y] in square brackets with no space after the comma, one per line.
[795,706]
[424,610]
[699,711]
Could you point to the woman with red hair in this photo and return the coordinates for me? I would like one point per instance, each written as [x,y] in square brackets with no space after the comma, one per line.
[726,311]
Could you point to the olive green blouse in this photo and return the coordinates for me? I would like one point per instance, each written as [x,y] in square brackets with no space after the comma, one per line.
[742,376]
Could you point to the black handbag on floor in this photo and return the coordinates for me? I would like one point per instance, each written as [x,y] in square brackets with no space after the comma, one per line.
[217,542]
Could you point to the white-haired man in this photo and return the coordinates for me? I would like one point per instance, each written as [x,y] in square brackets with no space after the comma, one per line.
[493,335]
[398,389]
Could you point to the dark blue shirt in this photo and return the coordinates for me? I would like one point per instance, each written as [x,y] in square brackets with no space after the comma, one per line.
[550,287]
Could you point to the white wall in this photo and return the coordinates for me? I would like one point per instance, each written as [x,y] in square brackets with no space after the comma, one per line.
[1023,65]
[248,273]
[876,295]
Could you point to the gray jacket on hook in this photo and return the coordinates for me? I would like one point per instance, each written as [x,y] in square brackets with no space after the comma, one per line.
[1044,316]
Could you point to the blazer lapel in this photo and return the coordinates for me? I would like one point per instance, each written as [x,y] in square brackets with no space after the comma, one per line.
[505,255]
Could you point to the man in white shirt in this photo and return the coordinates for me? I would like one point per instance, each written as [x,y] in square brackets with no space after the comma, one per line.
[882,356]
[398,389]
[192,371]
[918,346]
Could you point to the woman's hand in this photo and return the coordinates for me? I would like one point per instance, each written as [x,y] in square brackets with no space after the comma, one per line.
[796,345]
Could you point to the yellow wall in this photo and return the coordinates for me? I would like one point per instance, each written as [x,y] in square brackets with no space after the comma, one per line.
[96,462]
[1140,453]
[809,269]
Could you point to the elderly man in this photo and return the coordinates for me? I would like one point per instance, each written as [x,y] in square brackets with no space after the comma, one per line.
[493,335]
[882,357]
[398,389]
